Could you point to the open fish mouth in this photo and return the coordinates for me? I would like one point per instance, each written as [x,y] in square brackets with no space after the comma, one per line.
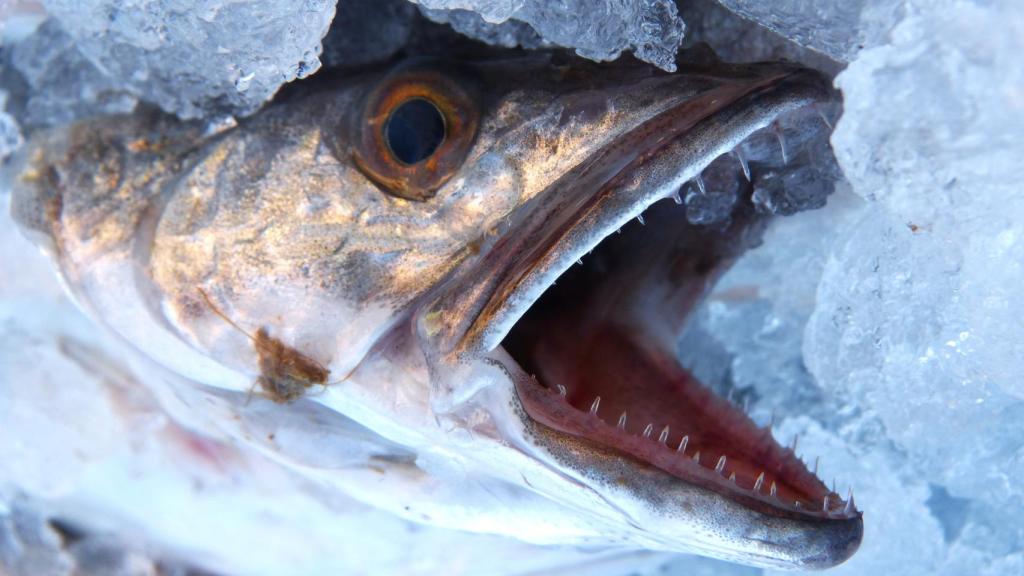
[601,339]
[583,299]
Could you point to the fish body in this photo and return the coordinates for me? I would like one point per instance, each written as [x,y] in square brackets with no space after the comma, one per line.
[380,252]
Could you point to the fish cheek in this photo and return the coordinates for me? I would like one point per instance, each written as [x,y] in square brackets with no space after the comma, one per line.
[415,130]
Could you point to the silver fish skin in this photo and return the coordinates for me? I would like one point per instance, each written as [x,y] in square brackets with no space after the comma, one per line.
[294,258]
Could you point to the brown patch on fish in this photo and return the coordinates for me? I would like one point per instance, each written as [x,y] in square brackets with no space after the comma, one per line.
[285,373]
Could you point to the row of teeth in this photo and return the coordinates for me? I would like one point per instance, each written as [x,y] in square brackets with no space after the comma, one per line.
[662,439]
[776,130]
[744,165]
[736,153]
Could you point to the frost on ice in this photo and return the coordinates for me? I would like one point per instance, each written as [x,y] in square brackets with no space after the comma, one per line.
[833,28]
[216,58]
[596,29]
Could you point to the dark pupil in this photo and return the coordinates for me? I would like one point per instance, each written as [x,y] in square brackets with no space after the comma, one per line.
[414,131]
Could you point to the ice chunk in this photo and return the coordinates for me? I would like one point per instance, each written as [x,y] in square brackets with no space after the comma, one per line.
[745,339]
[63,84]
[33,545]
[711,198]
[831,27]
[596,29]
[10,134]
[510,33]
[215,59]
[736,39]
[792,189]
[920,308]
[366,31]
[30,545]
[837,28]
[19,18]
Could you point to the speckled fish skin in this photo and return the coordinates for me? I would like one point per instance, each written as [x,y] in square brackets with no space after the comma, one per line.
[277,222]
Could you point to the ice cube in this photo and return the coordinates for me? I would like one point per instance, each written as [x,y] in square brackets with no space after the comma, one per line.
[596,29]
[832,27]
[220,58]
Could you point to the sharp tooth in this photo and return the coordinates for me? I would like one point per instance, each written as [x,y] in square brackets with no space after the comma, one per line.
[824,118]
[721,464]
[648,430]
[816,458]
[561,390]
[700,184]
[579,261]
[772,489]
[782,142]
[696,457]
[743,164]
[675,196]
[682,444]
[640,219]
[663,437]
[732,477]
[594,406]
[850,508]
[833,484]
[796,504]
[746,404]
[792,445]
[824,505]
[622,421]
[759,482]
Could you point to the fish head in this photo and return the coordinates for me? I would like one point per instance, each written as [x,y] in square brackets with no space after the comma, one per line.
[401,247]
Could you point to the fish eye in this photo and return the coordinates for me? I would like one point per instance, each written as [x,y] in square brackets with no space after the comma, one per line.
[415,131]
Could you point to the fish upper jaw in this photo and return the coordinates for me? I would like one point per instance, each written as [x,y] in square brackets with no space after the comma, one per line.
[745,498]
[546,236]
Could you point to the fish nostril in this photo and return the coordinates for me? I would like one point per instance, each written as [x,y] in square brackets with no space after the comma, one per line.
[414,131]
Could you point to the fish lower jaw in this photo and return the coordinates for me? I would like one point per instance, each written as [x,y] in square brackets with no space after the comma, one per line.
[685,460]
[756,471]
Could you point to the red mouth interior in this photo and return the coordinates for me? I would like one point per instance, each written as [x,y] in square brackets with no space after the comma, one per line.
[607,329]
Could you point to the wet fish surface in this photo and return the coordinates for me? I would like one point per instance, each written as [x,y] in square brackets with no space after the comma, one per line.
[481,264]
